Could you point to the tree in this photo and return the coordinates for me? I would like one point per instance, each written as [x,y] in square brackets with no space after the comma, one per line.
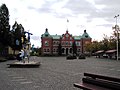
[88,47]
[17,36]
[4,26]
[95,46]
[74,48]
[59,49]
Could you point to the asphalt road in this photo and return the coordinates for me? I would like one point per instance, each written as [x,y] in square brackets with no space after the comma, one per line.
[55,73]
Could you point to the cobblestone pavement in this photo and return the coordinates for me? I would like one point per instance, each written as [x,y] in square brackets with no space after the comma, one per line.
[55,73]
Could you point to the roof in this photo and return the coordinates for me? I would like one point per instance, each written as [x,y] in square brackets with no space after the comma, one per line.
[46,34]
[85,35]
[77,37]
[111,51]
[100,51]
[56,36]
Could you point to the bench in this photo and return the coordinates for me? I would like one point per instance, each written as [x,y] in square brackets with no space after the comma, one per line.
[98,82]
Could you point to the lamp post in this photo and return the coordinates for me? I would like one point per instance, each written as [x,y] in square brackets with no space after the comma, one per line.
[116,30]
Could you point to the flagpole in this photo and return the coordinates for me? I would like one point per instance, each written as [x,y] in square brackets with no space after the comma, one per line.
[116,30]
[67,24]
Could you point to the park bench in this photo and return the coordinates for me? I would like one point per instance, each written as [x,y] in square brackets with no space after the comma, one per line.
[98,82]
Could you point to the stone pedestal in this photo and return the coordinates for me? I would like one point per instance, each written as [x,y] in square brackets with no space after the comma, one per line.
[31,64]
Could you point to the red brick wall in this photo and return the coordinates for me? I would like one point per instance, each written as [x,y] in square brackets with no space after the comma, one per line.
[83,42]
[49,46]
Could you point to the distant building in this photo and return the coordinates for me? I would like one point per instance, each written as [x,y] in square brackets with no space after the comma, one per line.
[50,43]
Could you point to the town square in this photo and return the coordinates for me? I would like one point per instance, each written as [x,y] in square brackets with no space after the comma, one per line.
[54,73]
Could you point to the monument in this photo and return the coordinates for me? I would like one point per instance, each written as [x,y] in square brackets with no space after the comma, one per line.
[23,62]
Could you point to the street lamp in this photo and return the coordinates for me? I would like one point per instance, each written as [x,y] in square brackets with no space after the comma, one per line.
[116,30]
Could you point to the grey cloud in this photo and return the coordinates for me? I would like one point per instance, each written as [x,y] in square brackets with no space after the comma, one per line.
[80,7]
[46,7]
[112,3]
[43,9]
[111,8]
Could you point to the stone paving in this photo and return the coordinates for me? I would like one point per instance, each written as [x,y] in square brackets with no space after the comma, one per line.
[55,73]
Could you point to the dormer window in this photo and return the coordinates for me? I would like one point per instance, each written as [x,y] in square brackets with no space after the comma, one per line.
[86,36]
[67,35]
[46,43]
[46,35]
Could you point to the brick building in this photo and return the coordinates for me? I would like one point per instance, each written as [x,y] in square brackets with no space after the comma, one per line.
[50,43]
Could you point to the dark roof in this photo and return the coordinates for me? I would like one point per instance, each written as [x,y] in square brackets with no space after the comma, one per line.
[77,37]
[56,36]
[46,34]
[85,35]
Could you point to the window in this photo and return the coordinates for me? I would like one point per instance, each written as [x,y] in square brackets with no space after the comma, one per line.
[66,43]
[44,50]
[57,43]
[53,50]
[78,50]
[70,43]
[47,50]
[46,43]
[53,42]
[56,50]
[77,43]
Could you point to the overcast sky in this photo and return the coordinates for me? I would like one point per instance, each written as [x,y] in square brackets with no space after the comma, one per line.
[96,16]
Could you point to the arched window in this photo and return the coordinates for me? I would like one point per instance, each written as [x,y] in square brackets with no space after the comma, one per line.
[70,50]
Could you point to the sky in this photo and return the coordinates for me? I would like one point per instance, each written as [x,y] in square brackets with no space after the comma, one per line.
[94,16]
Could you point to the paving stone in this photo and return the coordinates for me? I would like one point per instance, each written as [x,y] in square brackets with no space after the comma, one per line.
[54,73]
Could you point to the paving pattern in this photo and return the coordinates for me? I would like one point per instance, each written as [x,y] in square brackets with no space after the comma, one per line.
[55,73]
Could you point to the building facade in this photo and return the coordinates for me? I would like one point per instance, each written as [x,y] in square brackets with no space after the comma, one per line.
[50,43]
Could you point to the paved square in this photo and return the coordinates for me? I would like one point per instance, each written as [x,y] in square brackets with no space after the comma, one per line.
[55,73]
